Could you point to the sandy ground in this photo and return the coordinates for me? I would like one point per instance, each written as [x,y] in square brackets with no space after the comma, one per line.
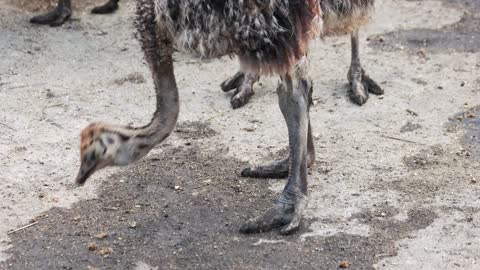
[395,186]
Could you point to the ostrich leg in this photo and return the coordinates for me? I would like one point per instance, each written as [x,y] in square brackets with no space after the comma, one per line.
[293,96]
[360,83]
[63,12]
[279,168]
[243,85]
[106,8]
[56,17]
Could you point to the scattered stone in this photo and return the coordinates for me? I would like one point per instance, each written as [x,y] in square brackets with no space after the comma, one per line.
[104,251]
[134,77]
[419,81]
[409,127]
[422,53]
[411,112]
[49,93]
[102,235]
[92,246]
[316,101]
[324,168]
[133,225]
[344,264]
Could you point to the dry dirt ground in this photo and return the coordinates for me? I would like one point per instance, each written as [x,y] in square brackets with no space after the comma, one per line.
[395,186]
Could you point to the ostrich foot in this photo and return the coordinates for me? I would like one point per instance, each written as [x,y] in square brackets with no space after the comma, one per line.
[360,87]
[54,18]
[275,169]
[243,85]
[106,8]
[284,215]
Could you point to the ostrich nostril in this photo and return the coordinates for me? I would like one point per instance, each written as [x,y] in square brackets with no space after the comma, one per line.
[91,156]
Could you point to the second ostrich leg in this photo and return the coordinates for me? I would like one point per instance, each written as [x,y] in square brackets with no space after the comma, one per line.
[360,83]
[280,168]
[293,96]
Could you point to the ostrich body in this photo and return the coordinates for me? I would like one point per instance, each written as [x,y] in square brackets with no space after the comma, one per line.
[63,12]
[270,37]
[340,17]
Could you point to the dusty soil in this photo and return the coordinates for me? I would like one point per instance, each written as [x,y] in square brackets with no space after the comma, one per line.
[395,185]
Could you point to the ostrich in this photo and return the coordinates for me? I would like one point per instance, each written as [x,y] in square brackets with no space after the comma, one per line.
[270,37]
[63,11]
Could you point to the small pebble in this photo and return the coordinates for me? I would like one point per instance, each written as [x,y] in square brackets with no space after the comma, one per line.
[92,246]
[344,264]
[102,235]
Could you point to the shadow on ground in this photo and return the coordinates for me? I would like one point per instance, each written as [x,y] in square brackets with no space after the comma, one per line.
[462,36]
[469,123]
[181,209]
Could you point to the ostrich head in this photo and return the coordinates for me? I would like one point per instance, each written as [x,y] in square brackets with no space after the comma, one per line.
[102,145]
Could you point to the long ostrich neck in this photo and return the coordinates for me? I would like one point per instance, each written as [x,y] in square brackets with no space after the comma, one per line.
[158,50]
[167,108]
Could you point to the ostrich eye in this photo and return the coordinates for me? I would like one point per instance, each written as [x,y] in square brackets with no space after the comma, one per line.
[110,140]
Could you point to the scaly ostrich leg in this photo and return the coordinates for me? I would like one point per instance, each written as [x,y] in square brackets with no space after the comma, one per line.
[56,17]
[243,85]
[293,96]
[360,83]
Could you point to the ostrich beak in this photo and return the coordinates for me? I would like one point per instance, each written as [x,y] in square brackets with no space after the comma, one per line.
[87,168]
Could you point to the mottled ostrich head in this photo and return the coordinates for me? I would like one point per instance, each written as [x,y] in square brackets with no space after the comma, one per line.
[102,145]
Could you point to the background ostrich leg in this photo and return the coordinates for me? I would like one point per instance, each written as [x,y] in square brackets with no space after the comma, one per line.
[63,12]
[360,83]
